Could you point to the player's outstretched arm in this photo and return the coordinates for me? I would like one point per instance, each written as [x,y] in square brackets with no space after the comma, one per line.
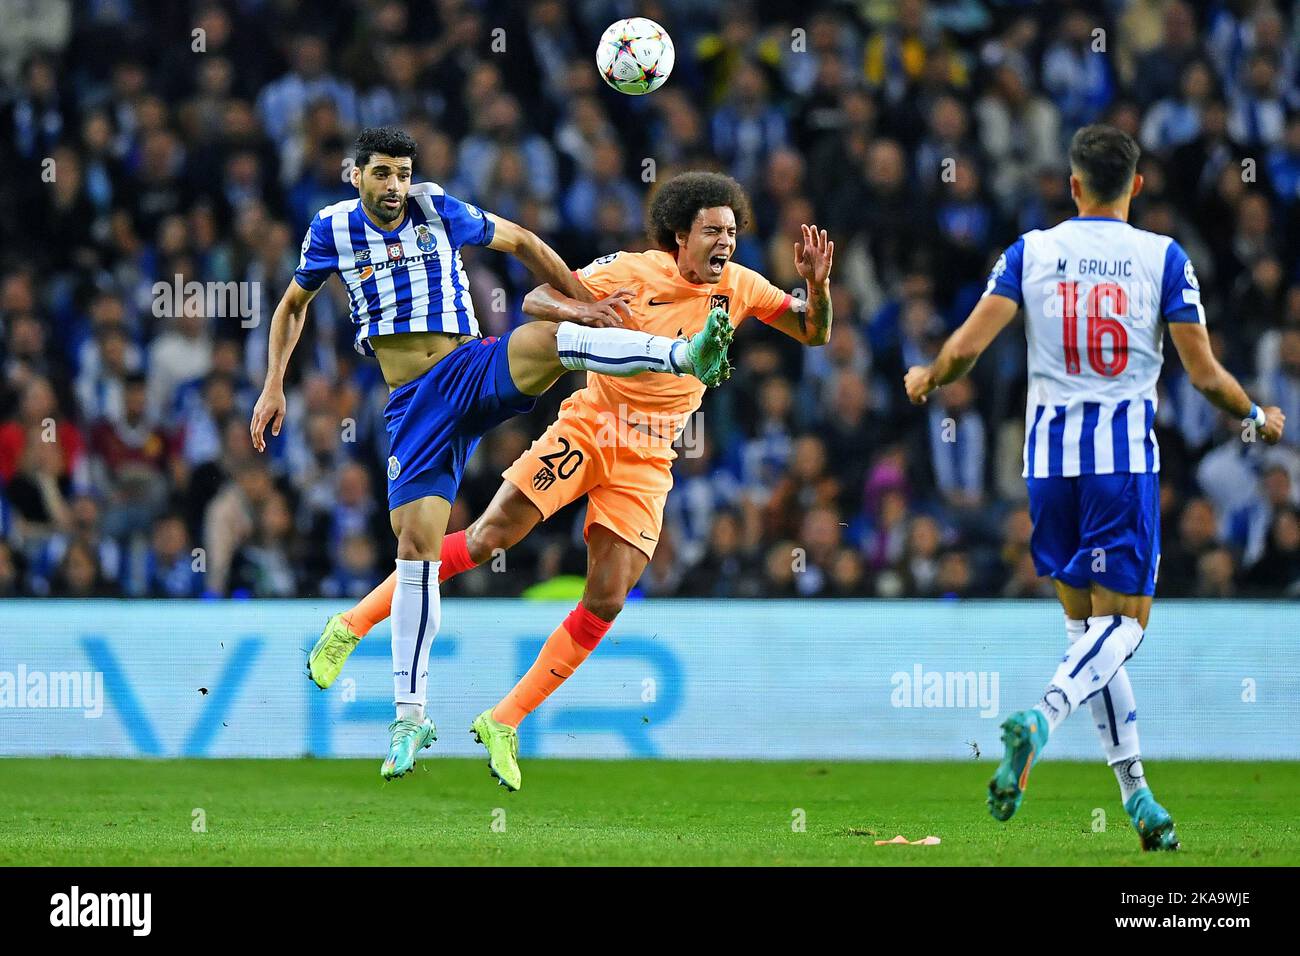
[1220,386]
[809,321]
[990,316]
[286,326]
[549,305]
[540,259]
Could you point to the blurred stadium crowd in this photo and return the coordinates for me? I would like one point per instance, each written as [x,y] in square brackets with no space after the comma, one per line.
[197,139]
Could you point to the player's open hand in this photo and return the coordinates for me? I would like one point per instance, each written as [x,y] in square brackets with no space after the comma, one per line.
[608,312]
[919,382]
[268,410]
[1274,422]
[814,255]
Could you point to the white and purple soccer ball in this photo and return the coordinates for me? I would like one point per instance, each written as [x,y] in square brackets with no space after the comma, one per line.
[635,56]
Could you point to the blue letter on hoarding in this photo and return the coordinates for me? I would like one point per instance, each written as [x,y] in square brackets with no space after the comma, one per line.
[633,723]
[138,726]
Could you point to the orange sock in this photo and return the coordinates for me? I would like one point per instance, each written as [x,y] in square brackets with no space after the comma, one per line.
[567,647]
[378,604]
[372,608]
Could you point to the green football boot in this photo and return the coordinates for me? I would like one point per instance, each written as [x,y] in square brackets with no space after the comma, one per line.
[326,659]
[409,738]
[1024,734]
[502,743]
[707,349]
[1152,821]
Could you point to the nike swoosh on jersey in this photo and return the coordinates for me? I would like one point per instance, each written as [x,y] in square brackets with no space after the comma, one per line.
[665,302]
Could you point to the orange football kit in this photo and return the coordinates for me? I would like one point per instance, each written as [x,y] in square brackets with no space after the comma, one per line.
[613,439]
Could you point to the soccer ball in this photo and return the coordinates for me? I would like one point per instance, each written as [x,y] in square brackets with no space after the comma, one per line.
[635,56]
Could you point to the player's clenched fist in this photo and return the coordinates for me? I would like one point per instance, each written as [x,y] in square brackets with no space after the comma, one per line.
[919,382]
[268,410]
[1274,422]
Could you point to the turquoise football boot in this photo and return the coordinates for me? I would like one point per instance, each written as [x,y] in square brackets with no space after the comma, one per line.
[1152,821]
[1024,735]
[707,349]
[408,739]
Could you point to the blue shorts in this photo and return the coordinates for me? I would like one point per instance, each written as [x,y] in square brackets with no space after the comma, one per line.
[435,421]
[1102,528]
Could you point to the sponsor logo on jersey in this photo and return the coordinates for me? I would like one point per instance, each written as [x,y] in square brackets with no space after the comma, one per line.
[365,272]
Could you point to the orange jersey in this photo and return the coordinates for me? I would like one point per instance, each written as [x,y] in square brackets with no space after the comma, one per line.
[664,303]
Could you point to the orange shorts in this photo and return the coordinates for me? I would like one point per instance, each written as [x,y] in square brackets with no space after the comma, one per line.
[625,474]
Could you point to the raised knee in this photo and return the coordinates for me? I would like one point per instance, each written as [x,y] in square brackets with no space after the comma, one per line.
[415,544]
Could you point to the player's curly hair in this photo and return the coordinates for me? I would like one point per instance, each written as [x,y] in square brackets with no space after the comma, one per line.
[385,140]
[679,200]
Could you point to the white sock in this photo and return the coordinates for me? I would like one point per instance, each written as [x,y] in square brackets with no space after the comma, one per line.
[1114,713]
[1089,665]
[619,352]
[416,615]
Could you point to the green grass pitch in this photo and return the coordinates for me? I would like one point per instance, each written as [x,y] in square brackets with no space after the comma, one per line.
[338,812]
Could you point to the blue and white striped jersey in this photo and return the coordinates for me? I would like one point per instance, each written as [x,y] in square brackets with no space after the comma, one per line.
[1095,292]
[409,279]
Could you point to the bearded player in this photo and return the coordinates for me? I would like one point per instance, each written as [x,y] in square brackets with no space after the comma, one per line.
[1098,297]
[397,250]
[612,440]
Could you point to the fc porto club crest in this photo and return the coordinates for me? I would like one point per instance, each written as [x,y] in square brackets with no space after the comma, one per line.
[424,238]
[395,251]
[394,468]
